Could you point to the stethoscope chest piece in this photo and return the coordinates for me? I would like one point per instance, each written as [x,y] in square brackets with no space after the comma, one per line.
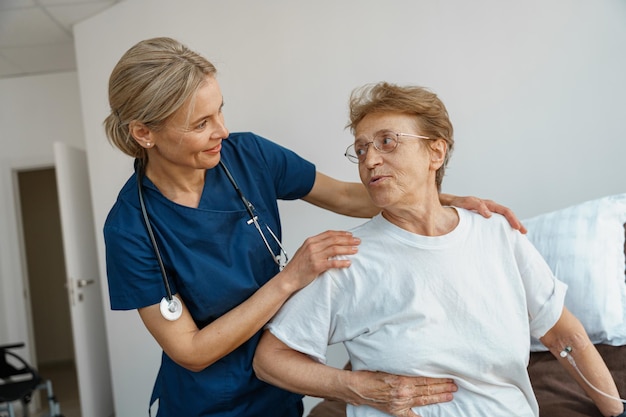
[171,310]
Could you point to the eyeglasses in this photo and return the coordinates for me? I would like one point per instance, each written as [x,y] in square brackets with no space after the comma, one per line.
[384,142]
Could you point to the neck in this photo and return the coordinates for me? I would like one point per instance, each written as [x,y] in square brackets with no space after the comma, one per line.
[182,186]
[426,217]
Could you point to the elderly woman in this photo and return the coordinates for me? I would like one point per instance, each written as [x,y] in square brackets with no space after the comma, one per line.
[434,291]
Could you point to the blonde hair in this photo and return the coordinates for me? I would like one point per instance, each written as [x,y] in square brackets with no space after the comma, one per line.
[430,112]
[151,81]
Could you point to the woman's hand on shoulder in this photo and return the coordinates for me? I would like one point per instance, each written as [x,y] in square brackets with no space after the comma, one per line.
[318,254]
[484,208]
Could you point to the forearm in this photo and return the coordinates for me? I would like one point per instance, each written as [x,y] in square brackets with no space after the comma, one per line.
[446,199]
[484,207]
[277,364]
[296,372]
[592,367]
[568,338]
[352,199]
[234,328]
[347,198]
[196,349]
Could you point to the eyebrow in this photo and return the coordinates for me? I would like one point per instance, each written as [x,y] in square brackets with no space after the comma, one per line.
[386,130]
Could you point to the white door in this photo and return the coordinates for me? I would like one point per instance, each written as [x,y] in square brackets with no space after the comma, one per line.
[84,290]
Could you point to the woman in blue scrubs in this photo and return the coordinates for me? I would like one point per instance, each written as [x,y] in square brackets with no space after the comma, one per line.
[166,112]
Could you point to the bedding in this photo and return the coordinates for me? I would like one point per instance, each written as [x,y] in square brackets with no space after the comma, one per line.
[585,245]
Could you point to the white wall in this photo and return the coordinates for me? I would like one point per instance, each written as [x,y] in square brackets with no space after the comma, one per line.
[35,111]
[535,90]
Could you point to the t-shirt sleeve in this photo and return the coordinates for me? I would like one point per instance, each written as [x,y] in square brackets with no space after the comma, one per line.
[305,322]
[544,292]
[133,273]
[293,176]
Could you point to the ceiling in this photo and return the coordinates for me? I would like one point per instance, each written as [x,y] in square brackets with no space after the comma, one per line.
[36,35]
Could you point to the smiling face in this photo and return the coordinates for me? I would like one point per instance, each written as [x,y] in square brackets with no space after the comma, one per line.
[192,136]
[402,178]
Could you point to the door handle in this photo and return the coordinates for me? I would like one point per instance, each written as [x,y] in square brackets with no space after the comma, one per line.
[84,282]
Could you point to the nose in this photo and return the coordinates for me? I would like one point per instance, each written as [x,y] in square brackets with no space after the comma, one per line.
[220,130]
[372,157]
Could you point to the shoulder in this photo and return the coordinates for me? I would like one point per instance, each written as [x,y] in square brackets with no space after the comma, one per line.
[493,229]
[242,137]
[475,219]
[258,144]
[371,227]
[127,201]
[248,140]
[250,144]
[374,234]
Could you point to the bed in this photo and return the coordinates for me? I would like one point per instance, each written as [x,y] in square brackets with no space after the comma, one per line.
[585,245]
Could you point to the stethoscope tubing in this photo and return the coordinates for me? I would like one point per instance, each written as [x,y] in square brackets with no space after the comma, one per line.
[146,220]
[171,306]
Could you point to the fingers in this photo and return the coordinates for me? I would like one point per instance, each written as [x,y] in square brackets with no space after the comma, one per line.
[407,413]
[433,398]
[333,243]
[423,381]
[424,392]
[397,395]
[404,407]
[473,203]
[492,206]
[321,250]
[482,207]
[486,207]
[318,254]
[432,390]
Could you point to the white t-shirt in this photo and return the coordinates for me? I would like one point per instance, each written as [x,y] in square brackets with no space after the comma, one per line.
[460,306]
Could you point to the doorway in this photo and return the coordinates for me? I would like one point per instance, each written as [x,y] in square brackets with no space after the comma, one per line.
[45,266]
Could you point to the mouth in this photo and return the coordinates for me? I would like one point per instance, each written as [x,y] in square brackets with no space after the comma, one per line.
[377,179]
[214,150]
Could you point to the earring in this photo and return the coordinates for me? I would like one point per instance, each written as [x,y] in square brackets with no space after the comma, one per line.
[148,144]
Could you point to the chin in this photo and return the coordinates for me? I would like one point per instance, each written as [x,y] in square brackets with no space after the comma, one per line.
[381,203]
[210,161]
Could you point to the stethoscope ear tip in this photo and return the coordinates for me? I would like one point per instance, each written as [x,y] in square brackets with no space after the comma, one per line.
[171,310]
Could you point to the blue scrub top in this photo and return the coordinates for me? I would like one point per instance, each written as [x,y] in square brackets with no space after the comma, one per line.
[215,260]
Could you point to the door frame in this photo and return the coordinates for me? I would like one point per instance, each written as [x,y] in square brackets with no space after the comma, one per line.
[14,169]
[21,288]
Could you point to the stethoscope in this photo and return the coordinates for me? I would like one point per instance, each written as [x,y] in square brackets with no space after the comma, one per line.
[171,307]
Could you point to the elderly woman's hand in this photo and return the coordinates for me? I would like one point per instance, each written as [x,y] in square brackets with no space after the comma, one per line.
[395,394]
[483,207]
[278,364]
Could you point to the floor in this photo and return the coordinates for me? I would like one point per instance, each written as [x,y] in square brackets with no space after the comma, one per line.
[64,386]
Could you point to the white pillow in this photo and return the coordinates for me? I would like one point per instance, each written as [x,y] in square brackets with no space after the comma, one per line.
[584,246]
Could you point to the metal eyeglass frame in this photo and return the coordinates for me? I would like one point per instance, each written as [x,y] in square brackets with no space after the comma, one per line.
[352,156]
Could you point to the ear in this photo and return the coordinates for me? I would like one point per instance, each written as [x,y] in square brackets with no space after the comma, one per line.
[141,133]
[438,150]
